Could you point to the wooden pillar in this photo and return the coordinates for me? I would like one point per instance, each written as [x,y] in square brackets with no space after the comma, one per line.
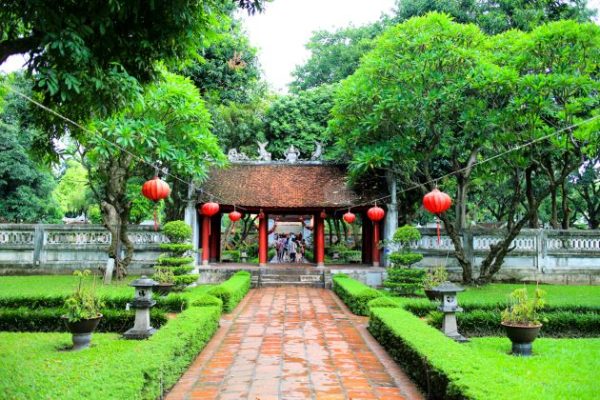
[215,238]
[320,241]
[376,252]
[205,239]
[367,240]
[263,240]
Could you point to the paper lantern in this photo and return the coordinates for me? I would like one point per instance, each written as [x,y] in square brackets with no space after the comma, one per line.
[436,202]
[375,213]
[349,217]
[209,209]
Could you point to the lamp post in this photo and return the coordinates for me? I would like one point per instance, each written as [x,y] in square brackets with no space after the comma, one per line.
[142,303]
[449,307]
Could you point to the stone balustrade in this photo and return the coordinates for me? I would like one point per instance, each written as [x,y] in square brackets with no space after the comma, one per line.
[552,256]
[30,249]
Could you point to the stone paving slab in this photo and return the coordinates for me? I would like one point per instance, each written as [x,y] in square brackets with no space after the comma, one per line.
[293,343]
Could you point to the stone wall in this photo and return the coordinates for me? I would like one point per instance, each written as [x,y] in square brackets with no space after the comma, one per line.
[58,249]
[551,256]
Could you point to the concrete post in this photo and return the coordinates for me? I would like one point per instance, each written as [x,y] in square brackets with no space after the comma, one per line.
[191,218]
[38,244]
[391,216]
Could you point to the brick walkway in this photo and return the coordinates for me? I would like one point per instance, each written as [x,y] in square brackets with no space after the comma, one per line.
[293,343]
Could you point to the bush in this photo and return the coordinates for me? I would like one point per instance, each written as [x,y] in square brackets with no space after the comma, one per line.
[352,256]
[230,255]
[233,290]
[177,231]
[354,294]
[406,234]
[23,319]
[208,300]
[403,237]
[383,302]
[399,259]
[176,248]
[404,281]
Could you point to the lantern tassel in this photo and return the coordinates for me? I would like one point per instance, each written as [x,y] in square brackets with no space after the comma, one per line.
[437,221]
[155,219]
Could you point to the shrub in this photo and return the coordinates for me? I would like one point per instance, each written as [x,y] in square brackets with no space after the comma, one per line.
[230,255]
[208,300]
[404,281]
[403,237]
[233,290]
[352,256]
[177,231]
[354,294]
[176,248]
[383,302]
[174,261]
[406,234]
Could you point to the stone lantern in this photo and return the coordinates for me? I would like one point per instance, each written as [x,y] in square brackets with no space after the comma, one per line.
[447,292]
[142,303]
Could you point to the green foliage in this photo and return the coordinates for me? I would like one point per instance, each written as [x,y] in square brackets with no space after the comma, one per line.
[174,261]
[25,184]
[354,294]
[404,259]
[177,248]
[383,302]
[523,310]
[230,255]
[72,192]
[299,120]
[84,303]
[177,231]
[163,275]
[208,301]
[405,235]
[352,256]
[449,370]
[233,290]
[24,319]
[494,17]
[125,370]
[435,277]
[404,281]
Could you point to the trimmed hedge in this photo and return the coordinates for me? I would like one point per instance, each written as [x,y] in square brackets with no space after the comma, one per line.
[233,290]
[49,320]
[354,294]
[110,369]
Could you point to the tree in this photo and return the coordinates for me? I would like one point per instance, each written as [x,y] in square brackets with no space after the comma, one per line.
[88,57]
[496,16]
[432,100]
[586,184]
[171,124]
[298,119]
[25,185]
[72,192]
[335,55]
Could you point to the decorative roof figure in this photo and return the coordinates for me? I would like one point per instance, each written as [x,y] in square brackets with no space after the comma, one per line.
[317,155]
[263,154]
[233,155]
[292,154]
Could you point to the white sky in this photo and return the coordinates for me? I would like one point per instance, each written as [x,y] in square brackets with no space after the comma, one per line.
[281,32]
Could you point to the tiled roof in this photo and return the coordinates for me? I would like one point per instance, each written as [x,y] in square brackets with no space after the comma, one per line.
[278,185]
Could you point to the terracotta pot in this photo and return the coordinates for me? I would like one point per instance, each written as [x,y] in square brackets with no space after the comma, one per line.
[522,337]
[163,289]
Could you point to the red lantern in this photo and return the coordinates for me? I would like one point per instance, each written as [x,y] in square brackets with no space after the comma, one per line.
[349,217]
[375,214]
[436,202]
[323,214]
[155,189]
[235,216]
[209,209]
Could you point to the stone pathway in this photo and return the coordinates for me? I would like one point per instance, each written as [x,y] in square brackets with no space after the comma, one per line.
[293,343]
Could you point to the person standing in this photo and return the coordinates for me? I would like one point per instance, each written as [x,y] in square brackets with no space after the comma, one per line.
[292,247]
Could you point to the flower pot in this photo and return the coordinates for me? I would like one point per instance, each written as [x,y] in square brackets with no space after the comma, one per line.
[163,289]
[431,294]
[522,337]
[82,331]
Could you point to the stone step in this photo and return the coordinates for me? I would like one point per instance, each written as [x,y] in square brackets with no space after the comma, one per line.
[284,283]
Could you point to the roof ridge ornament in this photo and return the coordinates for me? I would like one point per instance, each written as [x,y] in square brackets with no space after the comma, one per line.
[263,154]
[292,154]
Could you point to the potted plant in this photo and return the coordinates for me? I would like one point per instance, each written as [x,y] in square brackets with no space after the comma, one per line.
[522,321]
[83,311]
[434,278]
[165,279]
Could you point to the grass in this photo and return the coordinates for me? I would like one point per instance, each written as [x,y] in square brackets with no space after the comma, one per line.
[51,285]
[559,369]
[556,295]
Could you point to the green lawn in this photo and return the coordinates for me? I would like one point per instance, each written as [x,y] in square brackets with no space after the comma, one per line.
[50,285]
[556,295]
[559,368]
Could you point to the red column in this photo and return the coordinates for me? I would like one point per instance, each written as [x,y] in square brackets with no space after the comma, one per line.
[263,240]
[376,257]
[205,239]
[320,241]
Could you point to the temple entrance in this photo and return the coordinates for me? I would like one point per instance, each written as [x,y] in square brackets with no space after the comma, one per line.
[275,203]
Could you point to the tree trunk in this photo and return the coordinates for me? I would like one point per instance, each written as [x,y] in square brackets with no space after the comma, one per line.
[461,202]
[532,204]
[554,207]
[459,251]
[566,211]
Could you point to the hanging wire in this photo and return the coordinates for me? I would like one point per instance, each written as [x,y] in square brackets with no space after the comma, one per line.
[154,166]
